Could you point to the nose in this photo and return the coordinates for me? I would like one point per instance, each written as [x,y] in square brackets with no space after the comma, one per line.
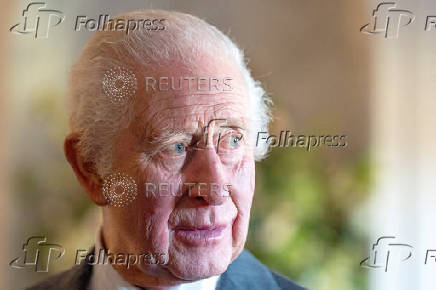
[207,177]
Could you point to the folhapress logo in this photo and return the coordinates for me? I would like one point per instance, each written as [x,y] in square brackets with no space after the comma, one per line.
[383,250]
[37,254]
[38,20]
[388,20]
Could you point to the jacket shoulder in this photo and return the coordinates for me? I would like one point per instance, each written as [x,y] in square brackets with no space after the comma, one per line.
[76,278]
[247,272]
[284,283]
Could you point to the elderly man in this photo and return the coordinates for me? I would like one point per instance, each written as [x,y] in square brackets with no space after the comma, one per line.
[163,126]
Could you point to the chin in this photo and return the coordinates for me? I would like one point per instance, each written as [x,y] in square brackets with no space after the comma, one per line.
[190,263]
[196,268]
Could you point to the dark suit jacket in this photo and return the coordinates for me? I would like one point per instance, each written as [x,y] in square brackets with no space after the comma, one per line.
[246,272]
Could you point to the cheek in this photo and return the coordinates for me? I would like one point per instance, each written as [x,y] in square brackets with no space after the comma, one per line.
[242,196]
[157,203]
[243,180]
[157,188]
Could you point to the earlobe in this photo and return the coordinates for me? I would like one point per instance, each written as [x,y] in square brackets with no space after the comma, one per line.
[85,172]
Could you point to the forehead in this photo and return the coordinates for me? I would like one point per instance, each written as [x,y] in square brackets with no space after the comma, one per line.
[189,107]
[188,113]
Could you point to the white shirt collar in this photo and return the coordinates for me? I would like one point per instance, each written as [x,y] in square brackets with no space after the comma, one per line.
[105,277]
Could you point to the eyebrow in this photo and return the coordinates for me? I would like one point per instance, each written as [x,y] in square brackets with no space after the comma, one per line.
[158,138]
[169,137]
[233,123]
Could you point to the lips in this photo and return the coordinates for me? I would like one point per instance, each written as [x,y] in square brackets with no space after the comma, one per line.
[200,235]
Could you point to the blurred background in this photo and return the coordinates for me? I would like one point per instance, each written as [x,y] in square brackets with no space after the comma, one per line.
[316,214]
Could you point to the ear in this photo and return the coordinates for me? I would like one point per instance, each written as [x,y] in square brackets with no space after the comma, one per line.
[86,172]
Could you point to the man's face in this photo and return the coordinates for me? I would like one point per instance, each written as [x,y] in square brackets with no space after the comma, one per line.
[188,152]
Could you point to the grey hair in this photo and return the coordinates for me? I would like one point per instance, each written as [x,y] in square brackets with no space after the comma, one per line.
[98,121]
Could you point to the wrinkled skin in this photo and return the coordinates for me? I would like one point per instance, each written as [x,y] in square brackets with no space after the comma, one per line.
[159,224]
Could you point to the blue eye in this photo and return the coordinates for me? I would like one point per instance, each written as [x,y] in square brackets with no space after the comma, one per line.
[235,142]
[179,147]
